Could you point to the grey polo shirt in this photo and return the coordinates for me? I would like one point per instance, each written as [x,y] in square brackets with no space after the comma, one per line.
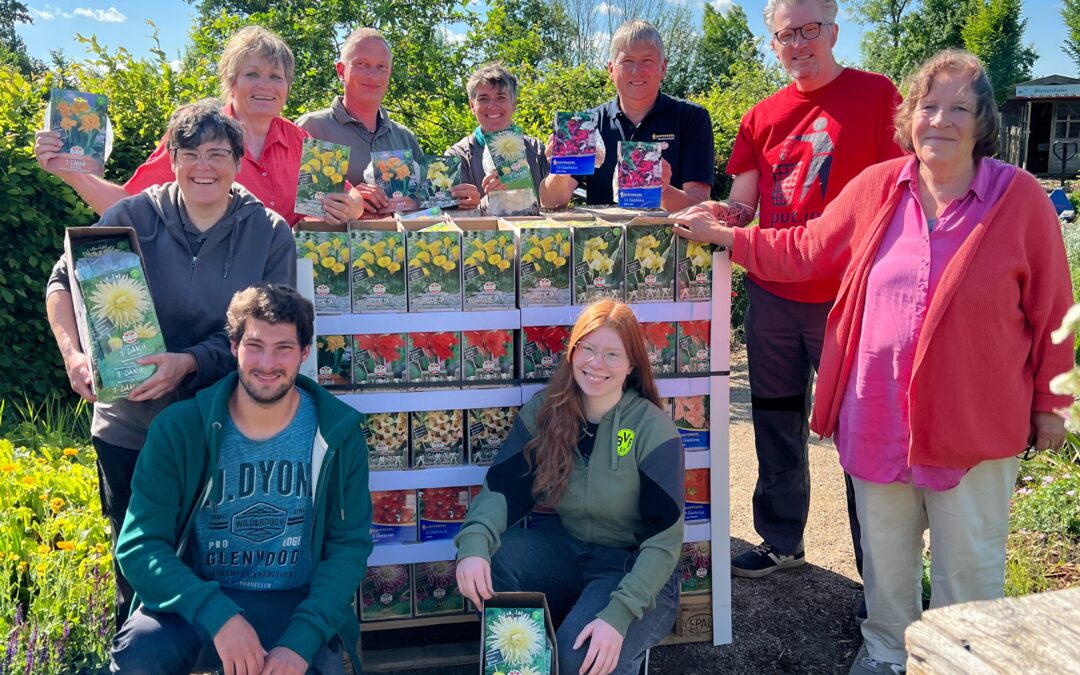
[336,125]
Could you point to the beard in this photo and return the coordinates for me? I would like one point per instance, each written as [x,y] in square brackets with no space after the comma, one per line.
[266,395]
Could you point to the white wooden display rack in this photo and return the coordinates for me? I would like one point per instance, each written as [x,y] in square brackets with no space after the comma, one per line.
[717,386]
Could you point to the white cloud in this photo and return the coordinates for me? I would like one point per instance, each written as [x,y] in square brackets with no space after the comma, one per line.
[48,13]
[452,37]
[110,15]
[723,6]
[175,65]
[605,9]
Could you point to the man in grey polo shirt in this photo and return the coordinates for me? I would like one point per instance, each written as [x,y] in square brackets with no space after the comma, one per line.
[358,119]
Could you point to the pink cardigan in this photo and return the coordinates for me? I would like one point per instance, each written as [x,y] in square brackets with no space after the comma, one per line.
[984,360]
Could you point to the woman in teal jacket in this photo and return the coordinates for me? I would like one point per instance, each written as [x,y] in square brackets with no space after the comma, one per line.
[596,446]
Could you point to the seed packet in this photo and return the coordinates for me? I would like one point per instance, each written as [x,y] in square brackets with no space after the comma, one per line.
[438,438]
[638,174]
[435,589]
[487,356]
[692,421]
[507,149]
[397,173]
[693,346]
[82,119]
[650,261]
[696,565]
[378,267]
[489,274]
[334,357]
[91,247]
[488,428]
[598,262]
[387,437]
[329,253]
[385,593]
[442,512]
[434,272]
[434,358]
[544,273]
[393,517]
[667,404]
[542,347]
[697,504]
[380,359]
[574,151]
[515,640]
[694,277]
[438,174]
[323,166]
[660,342]
[122,321]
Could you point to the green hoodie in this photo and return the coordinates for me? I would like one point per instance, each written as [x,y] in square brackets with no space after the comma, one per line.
[629,495]
[174,475]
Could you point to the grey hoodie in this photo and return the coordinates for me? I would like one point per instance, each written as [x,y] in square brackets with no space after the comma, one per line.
[191,293]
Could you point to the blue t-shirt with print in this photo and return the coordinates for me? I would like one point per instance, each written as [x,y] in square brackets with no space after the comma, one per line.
[254,530]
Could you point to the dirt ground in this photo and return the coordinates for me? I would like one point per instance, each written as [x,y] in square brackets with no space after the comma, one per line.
[796,621]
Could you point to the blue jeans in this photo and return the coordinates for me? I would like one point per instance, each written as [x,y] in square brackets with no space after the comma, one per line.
[163,643]
[578,579]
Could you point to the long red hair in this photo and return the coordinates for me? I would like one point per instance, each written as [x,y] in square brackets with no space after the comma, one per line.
[558,423]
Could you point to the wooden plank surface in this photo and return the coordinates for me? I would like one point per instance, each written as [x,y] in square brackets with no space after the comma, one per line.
[1033,634]
[421,656]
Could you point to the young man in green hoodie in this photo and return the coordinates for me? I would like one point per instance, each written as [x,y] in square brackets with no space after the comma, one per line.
[248,529]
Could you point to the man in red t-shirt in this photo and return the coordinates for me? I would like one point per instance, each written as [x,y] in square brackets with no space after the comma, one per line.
[795,151]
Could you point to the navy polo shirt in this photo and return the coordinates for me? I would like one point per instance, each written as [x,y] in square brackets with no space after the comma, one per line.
[684,125]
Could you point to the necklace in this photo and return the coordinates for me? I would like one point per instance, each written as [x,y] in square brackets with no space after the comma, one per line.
[585,430]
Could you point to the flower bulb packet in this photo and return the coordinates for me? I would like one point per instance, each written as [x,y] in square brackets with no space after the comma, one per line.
[696,566]
[693,338]
[693,279]
[544,247]
[598,262]
[438,174]
[487,356]
[385,593]
[435,589]
[121,321]
[334,358]
[387,438]
[660,346]
[542,347]
[398,173]
[697,505]
[574,150]
[438,438]
[637,174]
[82,120]
[692,421]
[328,248]
[487,429]
[377,275]
[380,359]
[442,511]
[650,260]
[488,265]
[507,150]
[434,267]
[393,516]
[515,640]
[323,167]
[434,358]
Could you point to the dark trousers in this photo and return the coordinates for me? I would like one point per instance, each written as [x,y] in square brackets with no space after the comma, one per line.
[116,468]
[163,643]
[783,346]
[578,579]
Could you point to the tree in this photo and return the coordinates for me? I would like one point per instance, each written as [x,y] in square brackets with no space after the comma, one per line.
[12,48]
[1070,14]
[904,35]
[995,34]
[726,40]
[522,31]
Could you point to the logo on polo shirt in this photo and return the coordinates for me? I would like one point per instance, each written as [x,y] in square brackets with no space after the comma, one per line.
[663,137]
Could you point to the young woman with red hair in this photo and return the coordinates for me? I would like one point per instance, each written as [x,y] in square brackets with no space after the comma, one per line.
[595,446]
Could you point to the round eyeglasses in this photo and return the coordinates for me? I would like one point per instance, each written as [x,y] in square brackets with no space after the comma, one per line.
[808,31]
[584,353]
[216,158]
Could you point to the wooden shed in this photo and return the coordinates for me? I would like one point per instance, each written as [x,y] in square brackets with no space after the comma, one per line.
[1040,113]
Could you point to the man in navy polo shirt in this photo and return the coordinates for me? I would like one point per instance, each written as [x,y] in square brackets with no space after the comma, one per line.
[641,113]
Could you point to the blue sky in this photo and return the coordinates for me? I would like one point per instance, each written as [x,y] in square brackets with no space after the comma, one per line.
[123,24]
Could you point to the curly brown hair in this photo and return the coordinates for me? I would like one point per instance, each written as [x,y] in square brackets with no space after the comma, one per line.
[272,303]
[558,422]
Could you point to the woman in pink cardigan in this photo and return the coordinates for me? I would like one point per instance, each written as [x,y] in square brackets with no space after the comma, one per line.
[937,358]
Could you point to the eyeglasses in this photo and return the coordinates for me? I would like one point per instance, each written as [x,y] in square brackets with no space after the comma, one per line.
[808,31]
[584,353]
[216,157]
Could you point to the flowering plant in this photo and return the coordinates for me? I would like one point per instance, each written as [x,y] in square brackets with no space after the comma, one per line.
[650,270]
[544,275]
[694,280]
[693,346]
[598,263]
[385,593]
[542,349]
[436,589]
[660,345]
[329,254]
[434,274]
[486,354]
[323,166]
[387,437]
[515,637]
[379,359]
[438,174]
[438,438]
[334,357]
[378,271]
[82,120]
[396,172]
[488,269]
[434,357]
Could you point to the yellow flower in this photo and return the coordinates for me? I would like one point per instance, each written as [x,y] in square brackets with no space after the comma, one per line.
[121,302]
[399,254]
[145,331]
[550,256]
[65,545]
[70,452]
[28,480]
[479,255]
[313,256]
[56,504]
[560,261]
[368,257]
[402,172]
[383,261]
[379,248]
[393,267]
[517,637]
[565,248]
[449,266]
[41,460]
[535,253]
[8,468]
[335,342]
[328,262]
[44,549]
[338,268]
[68,123]
[115,343]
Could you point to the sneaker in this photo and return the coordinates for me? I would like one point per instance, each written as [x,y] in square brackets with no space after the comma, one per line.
[762,560]
[865,665]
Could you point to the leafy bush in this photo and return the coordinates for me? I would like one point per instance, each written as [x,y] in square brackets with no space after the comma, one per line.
[1048,503]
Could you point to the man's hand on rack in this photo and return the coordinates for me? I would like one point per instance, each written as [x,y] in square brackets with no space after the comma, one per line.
[474,579]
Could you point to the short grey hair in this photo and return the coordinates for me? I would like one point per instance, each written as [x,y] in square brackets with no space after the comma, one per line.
[494,75]
[830,6]
[633,32]
[361,34]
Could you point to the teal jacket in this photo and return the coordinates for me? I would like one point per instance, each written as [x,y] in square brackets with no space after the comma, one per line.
[174,475]
[629,495]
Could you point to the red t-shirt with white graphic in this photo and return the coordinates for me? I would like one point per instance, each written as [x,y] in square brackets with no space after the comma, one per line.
[807,146]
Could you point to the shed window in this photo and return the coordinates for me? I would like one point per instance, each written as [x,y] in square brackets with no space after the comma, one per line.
[1068,119]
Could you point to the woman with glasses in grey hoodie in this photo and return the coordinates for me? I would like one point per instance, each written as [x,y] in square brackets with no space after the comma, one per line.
[203,237]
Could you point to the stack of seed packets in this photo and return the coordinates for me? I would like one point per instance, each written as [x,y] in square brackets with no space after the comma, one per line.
[574,150]
[323,167]
[82,119]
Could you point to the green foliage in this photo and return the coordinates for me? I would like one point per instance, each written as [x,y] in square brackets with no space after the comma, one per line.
[33,213]
[541,93]
[740,302]
[726,40]
[1047,499]
[54,422]
[904,35]
[995,33]
[12,48]
[750,83]
[519,32]
[1070,14]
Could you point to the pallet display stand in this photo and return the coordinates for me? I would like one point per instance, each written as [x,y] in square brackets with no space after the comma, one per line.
[715,384]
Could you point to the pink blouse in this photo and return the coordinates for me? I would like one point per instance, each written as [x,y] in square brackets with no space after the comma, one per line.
[872,434]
